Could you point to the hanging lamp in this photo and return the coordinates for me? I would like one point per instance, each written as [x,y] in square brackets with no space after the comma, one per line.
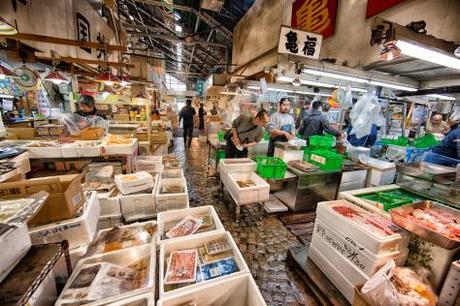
[5,72]
[6,28]
[107,78]
[56,77]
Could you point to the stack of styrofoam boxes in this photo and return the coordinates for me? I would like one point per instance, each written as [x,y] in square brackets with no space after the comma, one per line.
[79,232]
[109,203]
[171,201]
[125,258]
[234,170]
[150,164]
[14,244]
[349,253]
[137,200]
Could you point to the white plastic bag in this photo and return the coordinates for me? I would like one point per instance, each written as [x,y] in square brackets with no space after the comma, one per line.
[344,97]
[378,290]
[365,113]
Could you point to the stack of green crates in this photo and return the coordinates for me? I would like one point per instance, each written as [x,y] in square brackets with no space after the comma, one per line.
[220,154]
[326,160]
[271,167]
[321,142]
[400,141]
[425,142]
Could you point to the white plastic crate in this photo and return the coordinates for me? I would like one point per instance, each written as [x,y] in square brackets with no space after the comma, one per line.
[231,165]
[120,149]
[337,278]
[81,149]
[256,194]
[353,252]
[192,243]
[124,257]
[110,205]
[144,299]
[179,214]
[77,231]
[148,163]
[240,290]
[171,201]
[109,221]
[172,173]
[14,243]
[137,206]
[351,196]
[376,244]
[381,172]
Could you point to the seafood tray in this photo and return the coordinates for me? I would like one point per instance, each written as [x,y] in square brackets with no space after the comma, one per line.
[434,222]
[426,171]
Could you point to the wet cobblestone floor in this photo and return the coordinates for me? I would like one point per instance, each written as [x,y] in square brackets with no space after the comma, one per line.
[263,243]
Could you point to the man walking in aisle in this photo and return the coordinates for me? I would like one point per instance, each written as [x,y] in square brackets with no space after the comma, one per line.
[315,123]
[281,126]
[246,132]
[186,115]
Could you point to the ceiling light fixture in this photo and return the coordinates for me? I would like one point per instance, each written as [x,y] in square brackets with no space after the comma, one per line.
[292,91]
[56,77]
[286,79]
[6,28]
[393,86]
[107,78]
[390,52]
[428,55]
[441,97]
[457,52]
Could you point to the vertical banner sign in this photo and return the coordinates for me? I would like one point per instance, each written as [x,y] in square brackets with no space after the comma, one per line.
[83,30]
[375,7]
[317,16]
[295,42]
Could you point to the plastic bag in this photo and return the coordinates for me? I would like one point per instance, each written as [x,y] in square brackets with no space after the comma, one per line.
[344,97]
[379,290]
[77,124]
[365,113]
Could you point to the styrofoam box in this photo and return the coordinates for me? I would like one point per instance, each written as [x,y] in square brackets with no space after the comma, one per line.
[143,299]
[231,165]
[354,253]
[109,205]
[451,288]
[148,163]
[337,278]
[109,221]
[154,237]
[288,155]
[381,172]
[239,290]
[60,269]
[136,206]
[351,196]
[120,149]
[90,149]
[22,162]
[14,243]
[372,242]
[179,214]
[351,272]
[46,292]
[143,181]
[194,243]
[44,152]
[172,173]
[124,257]
[257,194]
[78,231]
[171,201]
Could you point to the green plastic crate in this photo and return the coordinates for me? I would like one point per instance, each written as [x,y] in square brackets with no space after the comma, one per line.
[425,142]
[271,167]
[266,136]
[319,141]
[220,154]
[400,141]
[327,160]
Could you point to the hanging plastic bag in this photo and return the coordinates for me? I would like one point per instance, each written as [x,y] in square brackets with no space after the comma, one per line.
[344,97]
[94,127]
[364,114]
[379,290]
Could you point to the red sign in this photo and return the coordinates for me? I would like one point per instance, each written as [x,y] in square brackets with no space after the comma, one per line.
[317,16]
[375,7]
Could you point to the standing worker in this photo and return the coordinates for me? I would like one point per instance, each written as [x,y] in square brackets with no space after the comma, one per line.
[316,123]
[281,126]
[186,115]
[87,107]
[246,132]
[201,114]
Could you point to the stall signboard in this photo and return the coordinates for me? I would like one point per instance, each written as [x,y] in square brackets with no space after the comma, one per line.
[375,7]
[317,16]
[301,43]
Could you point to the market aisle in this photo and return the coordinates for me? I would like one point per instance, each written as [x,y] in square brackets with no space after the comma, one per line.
[263,243]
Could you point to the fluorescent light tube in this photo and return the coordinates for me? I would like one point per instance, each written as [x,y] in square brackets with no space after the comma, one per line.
[335,76]
[441,97]
[428,55]
[394,86]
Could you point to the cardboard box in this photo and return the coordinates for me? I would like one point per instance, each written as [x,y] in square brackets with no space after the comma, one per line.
[22,133]
[66,196]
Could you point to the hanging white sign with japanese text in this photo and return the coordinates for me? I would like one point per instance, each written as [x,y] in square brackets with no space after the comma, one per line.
[301,43]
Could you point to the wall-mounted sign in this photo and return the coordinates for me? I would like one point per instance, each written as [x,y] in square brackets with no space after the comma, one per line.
[301,43]
[375,7]
[83,30]
[317,16]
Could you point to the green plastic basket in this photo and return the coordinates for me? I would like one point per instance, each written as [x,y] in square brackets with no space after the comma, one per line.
[400,141]
[271,167]
[327,160]
[220,136]
[425,142]
[318,141]
[266,135]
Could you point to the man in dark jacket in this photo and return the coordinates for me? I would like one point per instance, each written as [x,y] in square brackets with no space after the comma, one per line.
[316,123]
[186,115]
[87,107]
